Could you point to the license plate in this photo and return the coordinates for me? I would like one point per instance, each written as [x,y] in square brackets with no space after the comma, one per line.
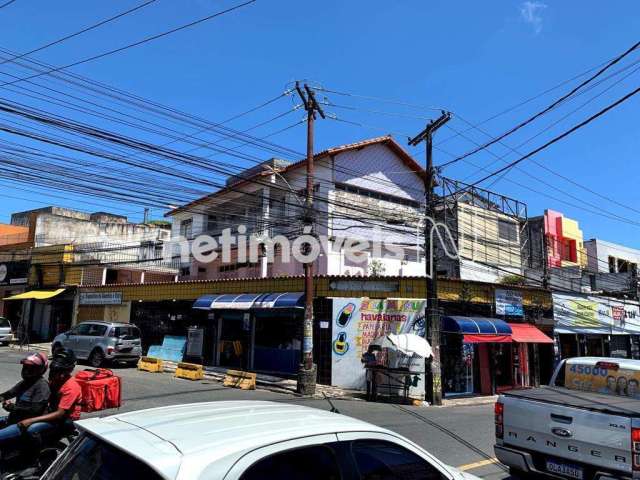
[570,471]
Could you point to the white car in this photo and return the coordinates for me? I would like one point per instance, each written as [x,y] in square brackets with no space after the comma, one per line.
[244,440]
[5,331]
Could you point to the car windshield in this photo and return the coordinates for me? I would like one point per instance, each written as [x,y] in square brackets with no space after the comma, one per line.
[90,458]
[4,323]
[128,332]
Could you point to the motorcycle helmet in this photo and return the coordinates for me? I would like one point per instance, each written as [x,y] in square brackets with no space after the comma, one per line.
[63,360]
[34,365]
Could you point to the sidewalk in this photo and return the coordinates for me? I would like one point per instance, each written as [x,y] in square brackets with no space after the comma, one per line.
[285,385]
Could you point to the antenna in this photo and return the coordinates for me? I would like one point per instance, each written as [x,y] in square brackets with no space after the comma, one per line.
[328,399]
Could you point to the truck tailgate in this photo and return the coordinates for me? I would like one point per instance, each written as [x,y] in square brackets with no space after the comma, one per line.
[574,434]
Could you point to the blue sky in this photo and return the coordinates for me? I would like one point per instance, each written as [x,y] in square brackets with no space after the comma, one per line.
[473,58]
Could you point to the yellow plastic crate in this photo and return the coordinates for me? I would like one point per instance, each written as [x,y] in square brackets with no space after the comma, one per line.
[189,371]
[150,364]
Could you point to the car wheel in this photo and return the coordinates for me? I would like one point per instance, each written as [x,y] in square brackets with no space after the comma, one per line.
[96,358]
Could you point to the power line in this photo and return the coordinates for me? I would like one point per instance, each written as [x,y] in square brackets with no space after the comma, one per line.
[560,137]
[84,30]
[548,108]
[134,44]
[6,4]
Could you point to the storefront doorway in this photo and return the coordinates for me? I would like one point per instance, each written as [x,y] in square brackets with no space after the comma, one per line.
[234,340]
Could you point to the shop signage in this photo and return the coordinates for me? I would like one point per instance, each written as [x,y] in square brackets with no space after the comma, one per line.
[358,321]
[14,273]
[101,298]
[509,302]
[595,315]
[364,285]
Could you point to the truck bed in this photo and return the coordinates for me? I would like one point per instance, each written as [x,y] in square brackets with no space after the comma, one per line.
[598,402]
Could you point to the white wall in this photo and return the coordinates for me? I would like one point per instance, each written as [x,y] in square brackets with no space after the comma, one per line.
[598,252]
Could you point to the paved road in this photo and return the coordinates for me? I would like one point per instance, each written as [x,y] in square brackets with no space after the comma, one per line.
[460,436]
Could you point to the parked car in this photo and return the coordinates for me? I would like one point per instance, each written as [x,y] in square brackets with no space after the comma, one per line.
[97,341]
[6,334]
[585,425]
[245,440]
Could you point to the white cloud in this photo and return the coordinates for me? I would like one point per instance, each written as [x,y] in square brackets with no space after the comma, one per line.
[531,13]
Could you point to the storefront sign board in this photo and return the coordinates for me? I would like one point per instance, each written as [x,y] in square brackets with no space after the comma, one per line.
[509,302]
[586,314]
[100,298]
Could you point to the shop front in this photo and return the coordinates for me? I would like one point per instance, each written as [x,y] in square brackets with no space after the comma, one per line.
[13,281]
[588,325]
[45,313]
[258,332]
[477,355]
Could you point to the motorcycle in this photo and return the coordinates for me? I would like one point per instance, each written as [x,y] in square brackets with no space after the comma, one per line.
[21,463]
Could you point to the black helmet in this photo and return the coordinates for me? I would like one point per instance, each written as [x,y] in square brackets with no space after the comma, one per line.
[63,359]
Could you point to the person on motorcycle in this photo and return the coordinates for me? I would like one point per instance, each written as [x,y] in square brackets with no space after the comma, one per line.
[64,404]
[31,393]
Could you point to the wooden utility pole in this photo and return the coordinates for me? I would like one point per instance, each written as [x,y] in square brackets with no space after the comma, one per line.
[432,325]
[307,373]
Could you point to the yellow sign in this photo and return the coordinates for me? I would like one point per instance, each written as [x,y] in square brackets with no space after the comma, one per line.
[601,379]
[586,313]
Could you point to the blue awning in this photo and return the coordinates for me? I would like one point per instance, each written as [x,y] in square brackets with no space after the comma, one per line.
[475,326]
[280,300]
[248,301]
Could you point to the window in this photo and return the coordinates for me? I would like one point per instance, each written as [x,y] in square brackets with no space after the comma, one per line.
[507,231]
[310,463]
[96,330]
[4,323]
[382,460]
[377,195]
[612,264]
[92,459]
[186,228]
[82,329]
[125,332]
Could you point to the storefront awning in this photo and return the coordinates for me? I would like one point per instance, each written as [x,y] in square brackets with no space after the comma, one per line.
[478,329]
[527,333]
[36,295]
[248,301]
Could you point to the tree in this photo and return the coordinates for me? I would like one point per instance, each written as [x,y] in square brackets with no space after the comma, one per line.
[376,268]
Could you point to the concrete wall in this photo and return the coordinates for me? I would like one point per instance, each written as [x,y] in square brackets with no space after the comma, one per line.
[598,253]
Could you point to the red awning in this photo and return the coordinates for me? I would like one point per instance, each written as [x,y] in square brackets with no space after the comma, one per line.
[527,333]
[486,338]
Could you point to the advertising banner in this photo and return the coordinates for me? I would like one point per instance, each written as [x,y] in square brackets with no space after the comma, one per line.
[601,379]
[509,302]
[358,321]
[595,315]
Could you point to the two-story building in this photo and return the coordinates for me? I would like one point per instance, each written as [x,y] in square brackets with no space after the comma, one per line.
[370,190]
[65,248]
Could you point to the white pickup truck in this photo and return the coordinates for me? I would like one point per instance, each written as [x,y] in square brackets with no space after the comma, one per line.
[585,425]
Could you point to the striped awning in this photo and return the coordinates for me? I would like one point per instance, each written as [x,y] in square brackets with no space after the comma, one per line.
[248,301]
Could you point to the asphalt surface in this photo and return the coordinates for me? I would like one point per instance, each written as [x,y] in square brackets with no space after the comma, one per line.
[459,436]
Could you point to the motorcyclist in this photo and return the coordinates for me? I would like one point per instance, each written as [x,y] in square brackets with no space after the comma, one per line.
[31,393]
[64,403]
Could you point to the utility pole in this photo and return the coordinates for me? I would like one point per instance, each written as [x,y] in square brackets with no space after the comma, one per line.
[432,326]
[307,373]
